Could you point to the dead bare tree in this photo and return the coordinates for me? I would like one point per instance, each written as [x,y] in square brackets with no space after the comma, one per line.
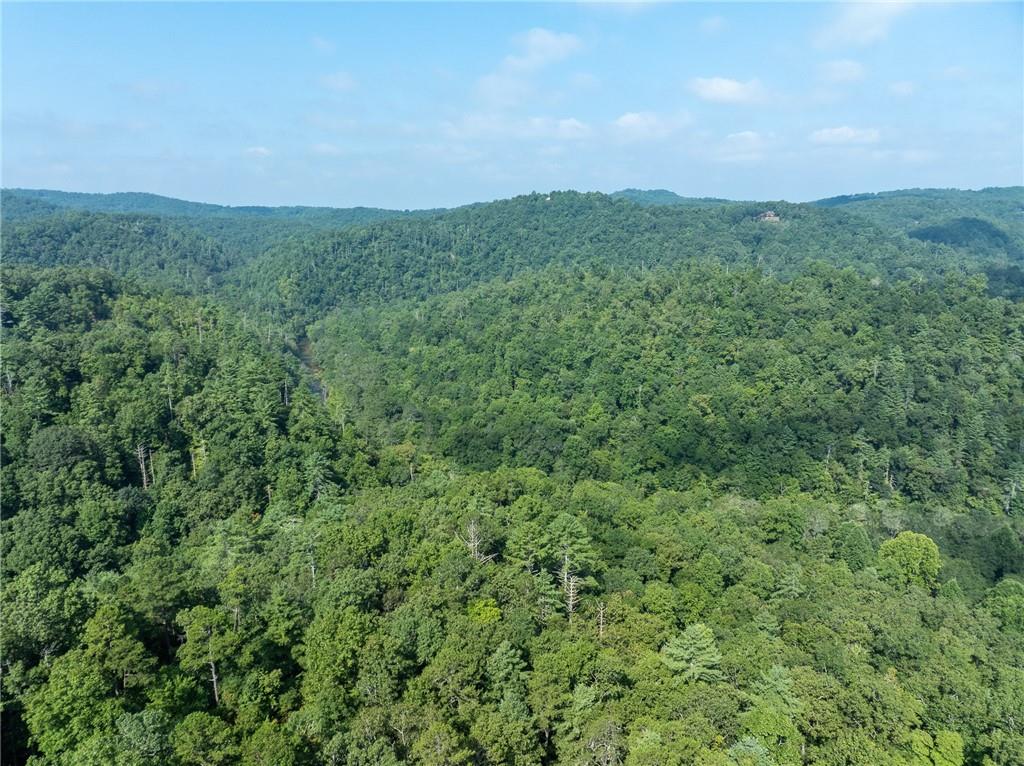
[570,587]
[475,543]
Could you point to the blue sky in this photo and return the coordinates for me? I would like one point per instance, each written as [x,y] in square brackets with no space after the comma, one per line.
[425,105]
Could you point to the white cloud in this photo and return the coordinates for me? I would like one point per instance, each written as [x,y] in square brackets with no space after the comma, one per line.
[541,47]
[955,73]
[712,25]
[842,71]
[258,151]
[338,81]
[321,44]
[725,91]
[510,83]
[902,88]
[845,135]
[859,23]
[646,126]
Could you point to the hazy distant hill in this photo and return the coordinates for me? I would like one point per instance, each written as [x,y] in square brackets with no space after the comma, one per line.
[908,209]
[985,222]
[665,197]
[23,203]
[283,263]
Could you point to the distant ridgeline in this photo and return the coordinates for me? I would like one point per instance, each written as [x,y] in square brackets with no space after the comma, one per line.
[301,262]
[22,203]
[565,479]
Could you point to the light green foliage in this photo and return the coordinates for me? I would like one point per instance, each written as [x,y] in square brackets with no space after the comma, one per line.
[910,559]
[484,612]
[693,656]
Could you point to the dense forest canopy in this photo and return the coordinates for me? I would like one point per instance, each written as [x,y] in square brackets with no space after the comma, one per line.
[562,479]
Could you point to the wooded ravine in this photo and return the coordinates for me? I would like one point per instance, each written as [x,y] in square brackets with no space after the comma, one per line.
[568,478]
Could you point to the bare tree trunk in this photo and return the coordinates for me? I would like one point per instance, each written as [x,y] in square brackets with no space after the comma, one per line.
[570,587]
[213,677]
[140,455]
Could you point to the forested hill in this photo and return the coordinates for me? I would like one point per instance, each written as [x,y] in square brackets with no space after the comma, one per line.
[665,197]
[165,251]
[908,208]
[827,382]
[402,259]
[582,482]
[37,202]
[294,271]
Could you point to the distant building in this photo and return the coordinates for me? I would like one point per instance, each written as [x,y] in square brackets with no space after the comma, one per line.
[769,215]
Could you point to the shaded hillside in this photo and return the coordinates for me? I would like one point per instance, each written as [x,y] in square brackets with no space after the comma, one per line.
[170,252]
[972,233]
[984,221]
[401,259]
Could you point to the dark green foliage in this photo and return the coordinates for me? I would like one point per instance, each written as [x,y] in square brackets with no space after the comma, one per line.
[972,233]
[697,372]
[170,253]
[579,482]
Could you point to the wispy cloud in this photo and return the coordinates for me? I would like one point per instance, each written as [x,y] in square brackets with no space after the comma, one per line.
[257,151]
[845,135]
[540,47]
[902,88]
[842,71]
[858,23]
[340,82]
[647,126]
[537,49]
[722,90]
